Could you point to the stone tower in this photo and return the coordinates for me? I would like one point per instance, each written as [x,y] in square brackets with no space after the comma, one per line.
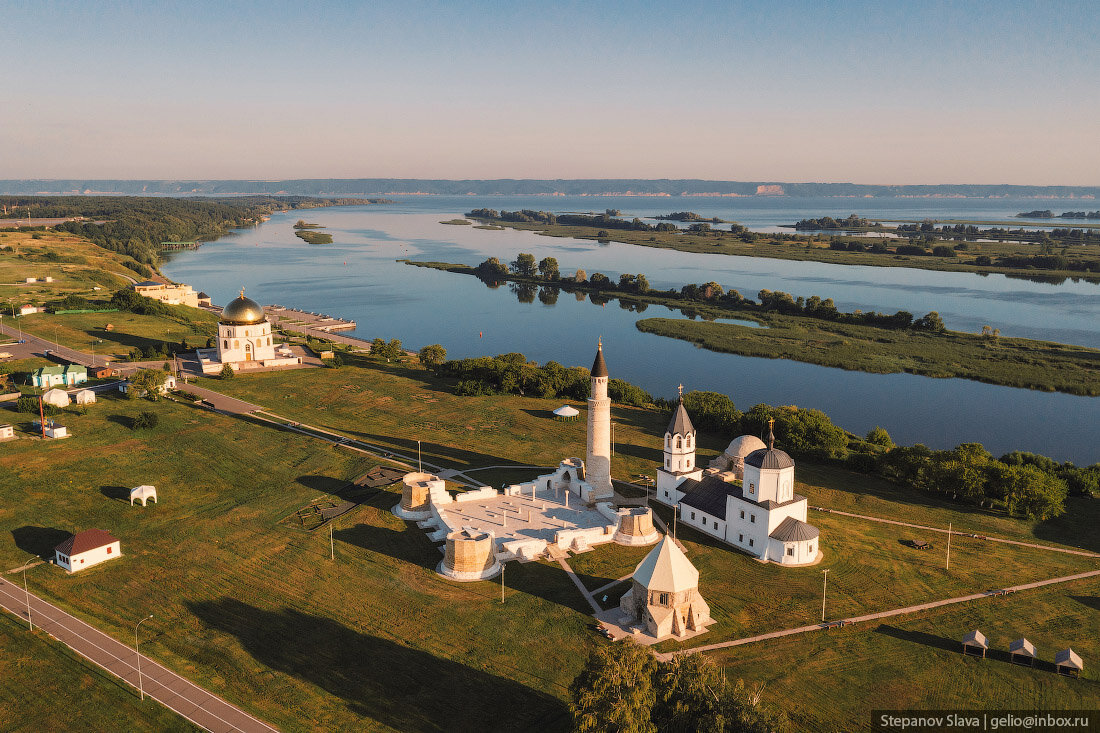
[598,464]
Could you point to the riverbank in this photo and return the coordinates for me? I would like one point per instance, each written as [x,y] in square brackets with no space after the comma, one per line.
[1010,362]
[819,248]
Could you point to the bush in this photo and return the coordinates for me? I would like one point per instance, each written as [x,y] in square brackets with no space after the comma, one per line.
[29,405]
[145,420]
[433,355]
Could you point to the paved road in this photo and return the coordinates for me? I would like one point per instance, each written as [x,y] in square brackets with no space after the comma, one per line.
[222,402]
[64,353]
[957,533]
[881,614]
[174,692]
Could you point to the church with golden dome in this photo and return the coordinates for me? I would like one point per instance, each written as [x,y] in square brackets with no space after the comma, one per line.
[244,340]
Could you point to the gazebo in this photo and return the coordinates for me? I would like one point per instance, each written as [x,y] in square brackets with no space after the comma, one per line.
[1068,663]
[143,493]
[975,643]
[56,397]
[1022,651]
[84,397]
[566,413]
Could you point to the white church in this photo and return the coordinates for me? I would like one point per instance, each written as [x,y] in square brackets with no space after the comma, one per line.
[244,340]
[745,497]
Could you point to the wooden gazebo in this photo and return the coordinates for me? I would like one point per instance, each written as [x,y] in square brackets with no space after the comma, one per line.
[1022,651]
[1068,663]
[975,643]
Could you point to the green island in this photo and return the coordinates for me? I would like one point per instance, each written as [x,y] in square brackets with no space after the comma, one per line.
[813,331]
[457,222]
[313,237]
[1073,254]
[303,224]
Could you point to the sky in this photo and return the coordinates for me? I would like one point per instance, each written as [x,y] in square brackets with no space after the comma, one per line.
[875,92]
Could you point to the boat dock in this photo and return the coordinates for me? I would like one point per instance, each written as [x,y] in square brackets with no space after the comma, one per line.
[291,317]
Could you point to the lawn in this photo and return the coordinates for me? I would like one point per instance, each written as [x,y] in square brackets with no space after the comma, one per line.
[88,331]
[253,608]
[76,266]
[830,681]
[45,686]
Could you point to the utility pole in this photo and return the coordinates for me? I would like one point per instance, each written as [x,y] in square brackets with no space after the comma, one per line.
[419,463]
[42,414]
[502,582]
[948,565]
[28,593]
[823,589]
[675,514]
[137,650]
[331,545]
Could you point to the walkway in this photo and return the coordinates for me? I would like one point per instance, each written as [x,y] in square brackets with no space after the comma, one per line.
[580,586]
[221,402]
[879,615]
[166,687]
[1083,553]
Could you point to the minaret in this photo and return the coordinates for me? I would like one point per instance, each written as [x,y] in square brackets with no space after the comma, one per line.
[679,456]
[598,464]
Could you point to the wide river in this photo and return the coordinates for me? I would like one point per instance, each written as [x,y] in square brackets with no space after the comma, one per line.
[358,277]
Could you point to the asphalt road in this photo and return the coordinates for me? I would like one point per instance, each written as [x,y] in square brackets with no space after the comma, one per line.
[168,688]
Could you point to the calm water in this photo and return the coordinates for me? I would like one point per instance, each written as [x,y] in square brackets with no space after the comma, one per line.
[421,306]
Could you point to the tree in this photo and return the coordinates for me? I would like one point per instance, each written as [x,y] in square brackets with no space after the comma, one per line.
[930,322]
[433,355]
[145,420]
[614,692]
[599,280]
[227,372]
[878,436]
[492,269]
[524,265]
[580,276]
[148,382]
[548,268]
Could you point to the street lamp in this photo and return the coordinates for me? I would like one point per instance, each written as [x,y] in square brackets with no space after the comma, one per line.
[419,463]
[137,650]
[823,588]
[675,513]
[612,438]
[27,591]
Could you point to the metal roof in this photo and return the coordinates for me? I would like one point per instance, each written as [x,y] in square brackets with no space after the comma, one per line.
[708,495]
[599,366]
[89,539]
[976,638]
[769,458]
[1068,658]
[666,569]
[680,423]
[1022,646]
[793,530]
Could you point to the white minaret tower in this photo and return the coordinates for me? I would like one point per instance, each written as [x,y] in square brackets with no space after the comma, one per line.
[679,459]
[598,464]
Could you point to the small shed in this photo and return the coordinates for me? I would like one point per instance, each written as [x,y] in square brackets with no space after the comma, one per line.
[85,549]
[144,494]
[56,397]
[56,431]
[1068,663]
[84,397]
[7,432]
[102,372]
[975,643]
[1022,651]
[566,413]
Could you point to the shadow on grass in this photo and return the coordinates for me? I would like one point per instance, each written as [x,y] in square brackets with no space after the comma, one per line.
[340,488]
[920,637]
[392,684]
[123,420]
[1092,602]
[39,541]
[1076,527]
[120,493]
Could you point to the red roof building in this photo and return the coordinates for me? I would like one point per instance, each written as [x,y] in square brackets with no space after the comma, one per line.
[85,549]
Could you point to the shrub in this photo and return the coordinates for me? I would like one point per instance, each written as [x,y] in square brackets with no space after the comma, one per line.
[145,420]
[227,372]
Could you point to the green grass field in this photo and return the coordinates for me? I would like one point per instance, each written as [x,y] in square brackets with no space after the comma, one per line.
[88,332]
[251,606]
[76,266]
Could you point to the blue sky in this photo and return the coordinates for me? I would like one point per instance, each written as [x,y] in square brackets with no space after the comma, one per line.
[871,92]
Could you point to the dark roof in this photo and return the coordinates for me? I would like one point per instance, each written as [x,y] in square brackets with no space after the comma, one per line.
[708,495]
[147,283]
[769,458]
[792,530]
[681,423]
[89,539]
[599,367]
[202,295]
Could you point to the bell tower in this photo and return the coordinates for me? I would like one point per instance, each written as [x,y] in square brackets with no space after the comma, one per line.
[598,463]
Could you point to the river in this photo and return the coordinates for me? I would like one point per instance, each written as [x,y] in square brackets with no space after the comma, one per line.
[358,277]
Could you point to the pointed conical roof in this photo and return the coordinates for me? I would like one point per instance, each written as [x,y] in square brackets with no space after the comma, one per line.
[666,569]
[599,367]
[681,422]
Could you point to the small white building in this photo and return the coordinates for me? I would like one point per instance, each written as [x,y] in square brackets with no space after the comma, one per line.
[143,494]
[26,310]
[7,432]
[244,340]
[85,549]
[84,397]
[56,397]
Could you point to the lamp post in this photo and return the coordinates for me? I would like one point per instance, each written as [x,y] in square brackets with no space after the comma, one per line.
[137,650]
[947,566]
[419,463]
[823,588]
[675,514]
[612,438]
[27,591]
[502,582]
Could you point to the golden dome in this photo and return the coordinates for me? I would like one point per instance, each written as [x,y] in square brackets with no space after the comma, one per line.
[243,311]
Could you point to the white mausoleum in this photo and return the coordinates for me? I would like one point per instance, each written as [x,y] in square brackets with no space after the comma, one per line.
[244,339]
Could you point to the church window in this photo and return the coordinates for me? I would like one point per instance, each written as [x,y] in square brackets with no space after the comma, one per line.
[668,441]
[666,494]
[236,344]
[740,538]
[668,463]
[716,525]
[742,513]
[752,488]
[752,518]
[809,547]
[693,515]
[226,343]
[663,599]
[750,543]
[679,442]
[790,551]
[269,341]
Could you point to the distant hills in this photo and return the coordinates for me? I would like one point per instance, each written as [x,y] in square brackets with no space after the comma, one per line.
[532,187]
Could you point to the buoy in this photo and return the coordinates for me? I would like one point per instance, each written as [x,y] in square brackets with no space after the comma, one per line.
[481,334]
